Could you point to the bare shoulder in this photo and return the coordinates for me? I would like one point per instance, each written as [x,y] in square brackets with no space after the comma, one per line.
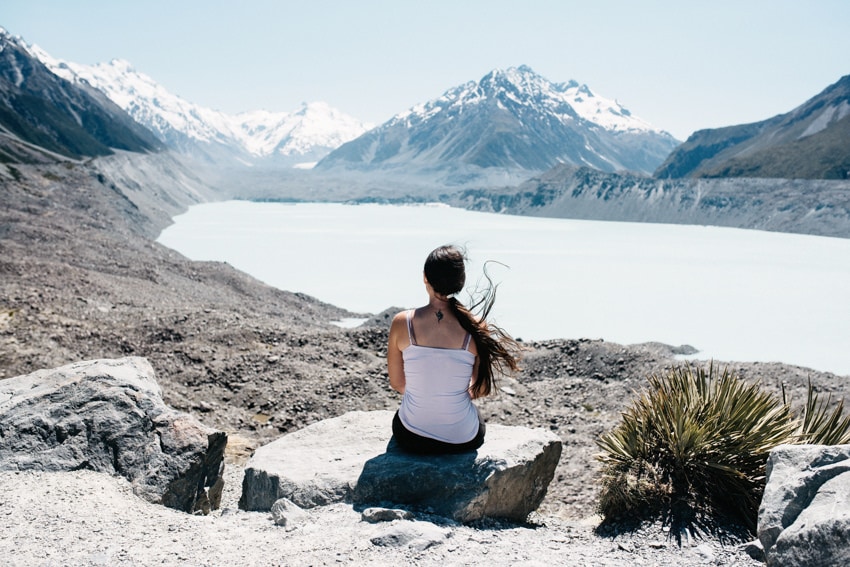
[398,331]
[400,318]
[399,323]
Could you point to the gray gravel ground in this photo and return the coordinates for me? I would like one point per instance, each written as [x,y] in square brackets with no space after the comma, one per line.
[89,519]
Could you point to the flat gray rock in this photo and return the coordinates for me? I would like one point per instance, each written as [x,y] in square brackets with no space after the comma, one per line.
[109,416]
[804,517]
[350,459]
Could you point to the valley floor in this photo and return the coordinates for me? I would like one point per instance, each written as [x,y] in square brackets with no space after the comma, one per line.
[81,278]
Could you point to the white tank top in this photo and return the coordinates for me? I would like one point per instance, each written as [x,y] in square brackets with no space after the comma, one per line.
[436,402]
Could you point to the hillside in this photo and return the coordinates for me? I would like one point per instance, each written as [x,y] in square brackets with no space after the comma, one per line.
[819,207]
[810,142]
[37,108]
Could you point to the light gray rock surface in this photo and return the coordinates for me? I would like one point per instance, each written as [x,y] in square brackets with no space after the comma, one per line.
[108,416]
[375,515]
[415,535]
[349,458]
[804,517]
[287,514]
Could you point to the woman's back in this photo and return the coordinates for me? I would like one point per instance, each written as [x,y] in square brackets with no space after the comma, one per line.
[436,400]
[429,330]
[440,357]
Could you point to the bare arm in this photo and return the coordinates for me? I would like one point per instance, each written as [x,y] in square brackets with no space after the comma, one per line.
[474,377]
[395,362]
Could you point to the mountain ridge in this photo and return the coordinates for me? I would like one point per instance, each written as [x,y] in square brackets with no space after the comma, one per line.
[251,137]
[803,206]
[511,121]
[39,110]
[808,142]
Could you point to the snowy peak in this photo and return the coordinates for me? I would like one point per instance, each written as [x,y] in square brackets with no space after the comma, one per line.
[308,133]
[569,99]
[521,89]
[314,125]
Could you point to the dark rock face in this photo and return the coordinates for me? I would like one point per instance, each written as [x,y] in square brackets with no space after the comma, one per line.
[810,142]
[807,206]
[804,517]
[108,416]
[40,108]
[349,459]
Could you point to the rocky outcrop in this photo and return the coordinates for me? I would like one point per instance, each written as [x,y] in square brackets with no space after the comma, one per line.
[804,517]
[819,207]
[350,458]
[109,416]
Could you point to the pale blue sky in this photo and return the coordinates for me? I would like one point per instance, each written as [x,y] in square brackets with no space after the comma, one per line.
[681,65]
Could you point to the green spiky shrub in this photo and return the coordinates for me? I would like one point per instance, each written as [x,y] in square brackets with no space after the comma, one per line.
[698,440]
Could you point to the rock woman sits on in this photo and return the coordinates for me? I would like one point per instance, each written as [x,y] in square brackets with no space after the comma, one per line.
[441,357]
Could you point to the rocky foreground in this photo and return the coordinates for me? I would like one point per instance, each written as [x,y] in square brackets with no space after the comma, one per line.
[81,278]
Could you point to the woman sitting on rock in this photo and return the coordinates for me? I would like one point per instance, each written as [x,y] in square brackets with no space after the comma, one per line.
[441,357]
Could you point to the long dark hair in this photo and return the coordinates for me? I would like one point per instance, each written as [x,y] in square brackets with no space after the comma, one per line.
[498,352]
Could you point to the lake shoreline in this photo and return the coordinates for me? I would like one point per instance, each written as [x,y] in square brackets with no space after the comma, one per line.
[82,278]
[734,294]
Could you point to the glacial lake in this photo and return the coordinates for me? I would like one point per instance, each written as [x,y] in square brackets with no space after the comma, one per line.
[735,295]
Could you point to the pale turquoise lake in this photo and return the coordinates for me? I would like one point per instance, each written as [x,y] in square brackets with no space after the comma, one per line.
[736,295]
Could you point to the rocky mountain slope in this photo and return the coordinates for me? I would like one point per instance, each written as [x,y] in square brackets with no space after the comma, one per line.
[257,137]
[507,126]
[40,110]
[810,142]
[820,207]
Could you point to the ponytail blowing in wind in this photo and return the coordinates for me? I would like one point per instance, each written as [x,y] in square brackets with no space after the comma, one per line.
[498,353]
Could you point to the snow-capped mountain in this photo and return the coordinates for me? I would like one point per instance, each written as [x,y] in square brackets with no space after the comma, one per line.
[43,116]
[260,136]
[512,121]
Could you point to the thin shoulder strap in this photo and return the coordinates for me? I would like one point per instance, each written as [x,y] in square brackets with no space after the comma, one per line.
[410,334]
[466,341]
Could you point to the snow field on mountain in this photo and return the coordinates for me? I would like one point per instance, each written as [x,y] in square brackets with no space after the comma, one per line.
[261,133]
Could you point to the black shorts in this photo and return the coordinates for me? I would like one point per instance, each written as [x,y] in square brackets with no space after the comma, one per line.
[413,443]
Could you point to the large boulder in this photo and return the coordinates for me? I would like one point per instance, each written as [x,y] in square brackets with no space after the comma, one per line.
[804,517]
[109,416]
[350,458]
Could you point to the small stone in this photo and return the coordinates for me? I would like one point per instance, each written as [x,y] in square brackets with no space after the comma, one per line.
[375,515]
[287,514]
[754,549]
[415,535]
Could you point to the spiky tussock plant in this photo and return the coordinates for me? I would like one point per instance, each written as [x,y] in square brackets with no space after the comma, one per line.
[698,440]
